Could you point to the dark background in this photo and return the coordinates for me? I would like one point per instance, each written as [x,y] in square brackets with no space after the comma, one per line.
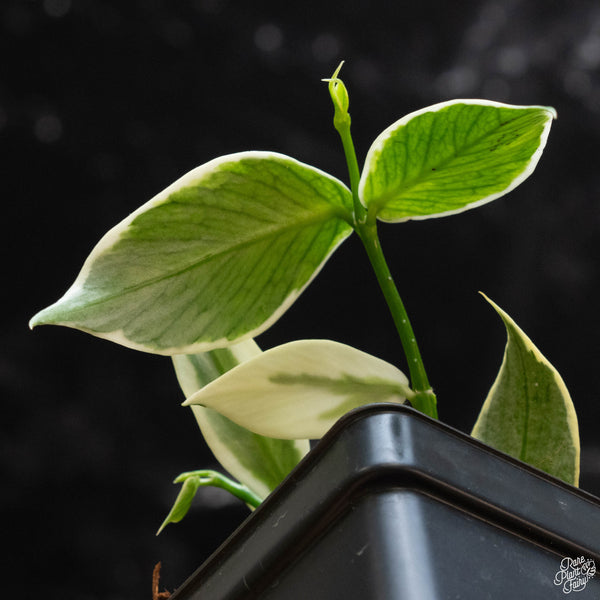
[103,104]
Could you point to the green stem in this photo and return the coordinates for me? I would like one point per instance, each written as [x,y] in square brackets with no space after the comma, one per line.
[207,477]
[424,399]
[192,480]
[360,214]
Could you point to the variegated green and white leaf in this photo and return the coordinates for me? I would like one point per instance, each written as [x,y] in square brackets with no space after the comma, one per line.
[259,462]
[451,157]
[299,389]
[215,258]
[528,412]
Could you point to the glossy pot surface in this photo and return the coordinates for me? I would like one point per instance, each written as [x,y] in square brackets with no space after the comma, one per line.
[394,505]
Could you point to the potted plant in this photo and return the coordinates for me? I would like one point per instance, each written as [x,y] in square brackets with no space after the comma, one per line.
[217,257]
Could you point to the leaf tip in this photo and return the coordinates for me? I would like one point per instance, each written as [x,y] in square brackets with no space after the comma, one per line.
[490,301]
[37,319]
[335,73]
[189,402]
[51,315]
[160,529]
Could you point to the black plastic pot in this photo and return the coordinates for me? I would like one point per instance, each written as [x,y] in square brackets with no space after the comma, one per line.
[394,505]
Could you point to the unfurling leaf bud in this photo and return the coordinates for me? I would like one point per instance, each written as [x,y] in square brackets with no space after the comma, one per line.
[341,101]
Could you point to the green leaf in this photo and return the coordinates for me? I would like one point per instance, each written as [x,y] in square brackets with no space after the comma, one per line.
[528,412]
[259,462]
[182,503]
[215,258]
[299,389]
[451,157]
[195,479]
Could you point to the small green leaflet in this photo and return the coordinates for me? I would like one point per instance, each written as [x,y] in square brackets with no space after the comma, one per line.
[298,390]
[215,258]
[451,157]
[528,412]
[183,502]
[259,462]
[193,480]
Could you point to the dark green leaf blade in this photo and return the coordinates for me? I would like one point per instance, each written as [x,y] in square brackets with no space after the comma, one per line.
[529,413]
[216,257]
[451,157]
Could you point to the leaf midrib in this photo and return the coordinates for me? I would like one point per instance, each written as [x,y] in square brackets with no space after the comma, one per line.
[321,217]
[382,201]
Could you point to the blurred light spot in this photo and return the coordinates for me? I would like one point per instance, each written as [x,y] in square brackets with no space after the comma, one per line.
[481,34]
[268,37]
[48,129]
[57,8]
[512,61]
[593,100]
[325,47]
[588,52]
[367,73]
[577,83]
[543,52]
[459,80]
[496,89]
[493,12]
[567,270]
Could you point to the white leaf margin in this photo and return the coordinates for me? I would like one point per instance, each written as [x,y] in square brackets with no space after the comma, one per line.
[377,146]
[572,421]
[112,236]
